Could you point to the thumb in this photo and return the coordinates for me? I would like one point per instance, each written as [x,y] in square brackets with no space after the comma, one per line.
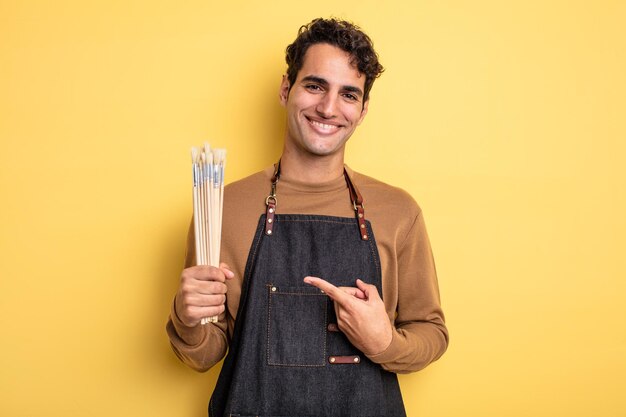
[368,289]
[227,270]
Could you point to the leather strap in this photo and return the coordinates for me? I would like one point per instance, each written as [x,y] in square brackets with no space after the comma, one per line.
[271,202]
[355,197]
[344,360]
[357,203]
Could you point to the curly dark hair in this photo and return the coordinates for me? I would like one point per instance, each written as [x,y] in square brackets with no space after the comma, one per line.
[342,34]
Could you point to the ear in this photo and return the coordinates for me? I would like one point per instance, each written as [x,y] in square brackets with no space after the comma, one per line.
[363,111]
[283,92]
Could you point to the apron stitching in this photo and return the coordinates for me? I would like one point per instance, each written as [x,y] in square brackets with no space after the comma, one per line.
[300,293]
[374,255]
[298,366]
[325,326]
[269,312]
[351,223]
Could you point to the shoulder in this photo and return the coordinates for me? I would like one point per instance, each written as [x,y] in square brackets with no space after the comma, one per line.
[251,182]
[246,197]
[377,193]
[249,190]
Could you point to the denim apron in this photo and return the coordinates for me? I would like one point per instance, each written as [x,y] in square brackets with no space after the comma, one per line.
[287,357]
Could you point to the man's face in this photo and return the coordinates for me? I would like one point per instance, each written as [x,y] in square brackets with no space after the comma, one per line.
[325,104]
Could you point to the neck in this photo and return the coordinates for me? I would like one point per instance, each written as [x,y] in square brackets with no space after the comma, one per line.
[311,168]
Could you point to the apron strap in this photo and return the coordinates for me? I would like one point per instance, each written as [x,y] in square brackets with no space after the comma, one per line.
[271,202]
[357,203]
[355,196]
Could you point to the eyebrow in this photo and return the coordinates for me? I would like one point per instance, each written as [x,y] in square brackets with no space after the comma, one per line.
[323,82]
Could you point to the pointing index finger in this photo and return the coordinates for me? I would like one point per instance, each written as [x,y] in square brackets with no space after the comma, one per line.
[333,292]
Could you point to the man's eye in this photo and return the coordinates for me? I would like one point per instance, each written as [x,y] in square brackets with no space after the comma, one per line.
[313,87]
[351,97]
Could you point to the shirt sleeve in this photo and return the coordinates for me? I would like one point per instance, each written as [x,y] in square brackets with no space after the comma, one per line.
[420,335]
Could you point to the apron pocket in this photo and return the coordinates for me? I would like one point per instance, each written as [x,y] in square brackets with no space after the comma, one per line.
[296,326]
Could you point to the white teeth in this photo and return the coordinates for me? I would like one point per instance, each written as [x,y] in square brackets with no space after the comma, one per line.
[323,125]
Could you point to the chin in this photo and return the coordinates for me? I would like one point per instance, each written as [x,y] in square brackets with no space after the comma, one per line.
[323,151]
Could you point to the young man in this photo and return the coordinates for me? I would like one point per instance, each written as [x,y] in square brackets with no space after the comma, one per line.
[320,301]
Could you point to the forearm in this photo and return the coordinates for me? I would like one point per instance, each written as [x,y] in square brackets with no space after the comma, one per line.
[199,347]
[413,346]
[413,305]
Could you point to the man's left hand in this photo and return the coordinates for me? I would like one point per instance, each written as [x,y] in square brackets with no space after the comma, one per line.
[361,314]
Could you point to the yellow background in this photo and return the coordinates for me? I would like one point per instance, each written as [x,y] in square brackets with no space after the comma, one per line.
[505,120]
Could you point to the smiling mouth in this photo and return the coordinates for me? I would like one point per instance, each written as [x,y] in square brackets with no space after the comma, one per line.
[323,127]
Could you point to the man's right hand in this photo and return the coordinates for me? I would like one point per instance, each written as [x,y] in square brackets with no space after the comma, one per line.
[201,293]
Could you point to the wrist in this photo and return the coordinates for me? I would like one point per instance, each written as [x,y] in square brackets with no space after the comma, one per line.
[191,335]
[179,317]
[381,344]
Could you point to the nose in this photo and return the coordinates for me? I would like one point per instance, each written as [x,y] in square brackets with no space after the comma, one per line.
[326,107]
